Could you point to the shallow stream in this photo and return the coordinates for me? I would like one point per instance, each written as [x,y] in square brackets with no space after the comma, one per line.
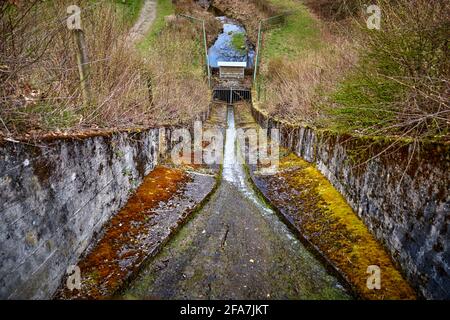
[231,45]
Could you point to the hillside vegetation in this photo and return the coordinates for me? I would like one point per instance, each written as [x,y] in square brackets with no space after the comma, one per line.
[131,85]
[320,65]
[324,67]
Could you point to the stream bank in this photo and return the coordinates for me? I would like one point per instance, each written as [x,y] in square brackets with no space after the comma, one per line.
[247,13]
[231,44]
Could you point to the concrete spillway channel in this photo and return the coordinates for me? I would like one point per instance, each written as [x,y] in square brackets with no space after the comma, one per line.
[235,247]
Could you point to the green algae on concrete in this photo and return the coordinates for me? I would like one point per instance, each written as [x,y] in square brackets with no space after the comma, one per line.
[323,217]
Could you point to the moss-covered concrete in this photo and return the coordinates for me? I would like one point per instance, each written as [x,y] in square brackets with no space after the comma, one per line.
[235,248]
[151,216]
[324,218]
[398,187]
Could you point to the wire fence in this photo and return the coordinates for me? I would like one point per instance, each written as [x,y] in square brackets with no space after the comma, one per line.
[264,25]
[207,66]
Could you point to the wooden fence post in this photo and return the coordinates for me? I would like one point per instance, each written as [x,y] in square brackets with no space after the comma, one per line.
[83,66]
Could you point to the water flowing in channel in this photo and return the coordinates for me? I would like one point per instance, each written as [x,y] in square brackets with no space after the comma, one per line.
[234,172]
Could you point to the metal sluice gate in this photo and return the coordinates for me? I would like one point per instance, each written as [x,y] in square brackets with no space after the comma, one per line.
[230,95]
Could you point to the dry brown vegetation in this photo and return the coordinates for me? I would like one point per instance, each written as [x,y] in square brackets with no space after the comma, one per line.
[178,87]
[194,9]
[39,79]
[336,9]
[40,82]
[296,76]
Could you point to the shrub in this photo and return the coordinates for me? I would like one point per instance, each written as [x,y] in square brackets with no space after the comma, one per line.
[178,86]
[336,9]
[295,88]
[40,83]
[401,85]
[40,86]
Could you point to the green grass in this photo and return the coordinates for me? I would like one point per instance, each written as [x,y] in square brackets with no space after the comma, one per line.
[238,42]
[297,33]
[130,9]
[163,8]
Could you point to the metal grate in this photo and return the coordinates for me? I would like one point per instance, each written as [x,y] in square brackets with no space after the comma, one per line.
[230,95]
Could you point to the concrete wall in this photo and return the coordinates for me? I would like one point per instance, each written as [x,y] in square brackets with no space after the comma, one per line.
[57,193]
[402,193]
[54,198]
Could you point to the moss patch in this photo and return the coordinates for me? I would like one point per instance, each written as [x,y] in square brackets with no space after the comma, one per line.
[324,218]
[238,42]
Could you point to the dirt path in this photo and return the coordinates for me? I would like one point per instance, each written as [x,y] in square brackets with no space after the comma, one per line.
[145,20]
[235,248]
